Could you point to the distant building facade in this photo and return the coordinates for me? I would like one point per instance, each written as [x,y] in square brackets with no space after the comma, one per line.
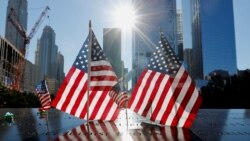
[9,58]
[180,34]
[151,16]
[112,49]
[46,53]
[48,60]
[213,33]
[60,67]
[188,61]
[11,34]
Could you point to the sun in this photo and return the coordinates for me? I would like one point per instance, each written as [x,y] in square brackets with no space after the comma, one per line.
[124,17]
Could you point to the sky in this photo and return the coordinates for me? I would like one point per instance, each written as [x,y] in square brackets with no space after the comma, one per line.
[70,20]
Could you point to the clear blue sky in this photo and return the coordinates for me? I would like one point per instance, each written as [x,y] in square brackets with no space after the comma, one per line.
[69,19]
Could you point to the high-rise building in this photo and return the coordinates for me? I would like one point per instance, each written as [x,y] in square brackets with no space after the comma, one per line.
[60,68]
[46,53]
[11,34]
[213,37]
[180,34]
[112,48]
[188,60]
[151,16]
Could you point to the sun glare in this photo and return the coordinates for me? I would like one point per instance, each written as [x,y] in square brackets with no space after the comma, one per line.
[124,17]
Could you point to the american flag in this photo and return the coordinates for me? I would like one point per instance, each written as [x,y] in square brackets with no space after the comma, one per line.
[98,131]
[165,92]
[120,98]
[43,95]
[72,95]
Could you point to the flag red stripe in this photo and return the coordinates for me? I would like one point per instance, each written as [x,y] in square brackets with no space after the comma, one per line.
[183,105]
[79,98]
[174,97]
[98,105]
[101,67]
[62,87]
[192,113]
[103,78]
[161,99]
[85,109]
[153,94]
[72,91]
[144,91]
[137,86]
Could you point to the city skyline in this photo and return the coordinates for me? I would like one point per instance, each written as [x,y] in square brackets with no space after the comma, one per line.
[70,39]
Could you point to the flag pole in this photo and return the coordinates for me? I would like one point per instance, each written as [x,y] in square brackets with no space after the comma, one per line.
[126,104]
[89,70]
[47,111]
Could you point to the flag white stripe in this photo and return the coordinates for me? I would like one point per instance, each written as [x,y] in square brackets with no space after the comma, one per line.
[81,105]
[102,73]
[102,108]
[67,89]
[169,95]
[148,94]
[178,101]
[94,101]
[102,83]
[159,92]
[140,89]
[76,93]
[100,63]
[188,108]
[112,111]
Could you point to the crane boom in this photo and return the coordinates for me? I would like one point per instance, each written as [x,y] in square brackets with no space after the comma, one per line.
[12,17]
[38,23]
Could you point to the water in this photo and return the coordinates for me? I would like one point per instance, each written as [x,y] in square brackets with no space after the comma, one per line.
[29,125]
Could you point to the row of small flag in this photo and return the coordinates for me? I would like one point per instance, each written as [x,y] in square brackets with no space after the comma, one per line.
[164,92]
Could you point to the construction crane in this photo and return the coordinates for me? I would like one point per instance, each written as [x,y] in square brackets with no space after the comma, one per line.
[13,18]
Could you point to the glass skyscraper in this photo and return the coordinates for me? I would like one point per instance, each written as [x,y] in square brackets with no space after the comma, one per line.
[46,53]
[112,48]
[213,35]
[11,34]
[151,16]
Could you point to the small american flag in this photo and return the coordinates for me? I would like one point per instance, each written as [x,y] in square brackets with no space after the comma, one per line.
[120,98]
[43,95]
[165,92]
[72,96]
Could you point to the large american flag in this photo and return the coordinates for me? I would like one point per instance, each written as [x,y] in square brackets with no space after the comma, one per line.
[43,95]
[165,92]
[72,95]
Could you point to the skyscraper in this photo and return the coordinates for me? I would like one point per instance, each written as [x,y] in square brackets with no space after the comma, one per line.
[11,34]
[213,37]
[180,34]
[46,53]
[112,48]
[151,15]
[60,68]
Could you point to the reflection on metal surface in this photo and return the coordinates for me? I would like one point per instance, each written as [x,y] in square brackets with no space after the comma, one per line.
[210,124]
[109,131]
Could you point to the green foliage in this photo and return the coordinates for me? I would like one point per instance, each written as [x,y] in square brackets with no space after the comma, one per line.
[14,99]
